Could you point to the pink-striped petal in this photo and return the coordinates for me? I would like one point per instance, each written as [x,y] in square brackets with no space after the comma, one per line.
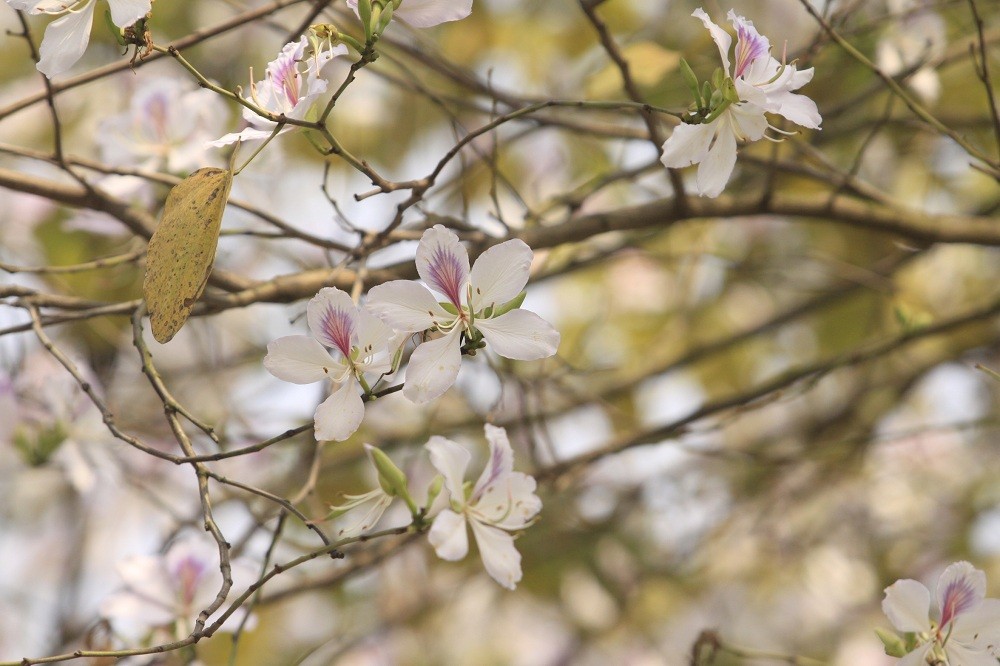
[333,319]
[443,263]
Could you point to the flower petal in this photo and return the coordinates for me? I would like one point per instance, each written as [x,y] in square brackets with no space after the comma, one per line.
[132,614]
[433,368]
[339,416]
[964,655]
[917,657]
[907,604]
[981,625]
[299,359]
[749,121]
[798,108]
[333,319]
[960,588]
[406,306]
[750,44]
[126,12]
[688,144]
[443,263]
[373,342]
[511,503]
[427,13]
[500,557]
[449,536]
[65,40]
[451,460]
[41,6]
[520,335]
[249,134]
[721,37]
[500,464]
[146,576]
[715,170]
[500,274]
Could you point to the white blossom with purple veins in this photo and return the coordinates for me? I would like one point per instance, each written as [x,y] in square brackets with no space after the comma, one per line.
[762,84]
[967,629]
[166,126]
[474,306]
[500,502]
[291,86]
[361,345]
[170,590]
[67,37]
[427,13]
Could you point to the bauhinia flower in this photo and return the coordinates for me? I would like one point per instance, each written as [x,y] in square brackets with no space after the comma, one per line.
[360,343]
[67,37]
[292,84]
[966,631]
[170,590]
[735,111]
[165,126]
[479,304]
[425,13]
[501,501]
[392,483]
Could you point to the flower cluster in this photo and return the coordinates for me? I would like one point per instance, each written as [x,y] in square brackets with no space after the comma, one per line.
[965,631]
[481,309]
[734,108]
[500,503]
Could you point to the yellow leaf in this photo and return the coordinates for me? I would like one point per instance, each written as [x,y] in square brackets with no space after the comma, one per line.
[182,249]
[648,63]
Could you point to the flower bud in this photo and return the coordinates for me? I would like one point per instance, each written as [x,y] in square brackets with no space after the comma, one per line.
[512,304]
[390,477]
[894,646]
[692,81]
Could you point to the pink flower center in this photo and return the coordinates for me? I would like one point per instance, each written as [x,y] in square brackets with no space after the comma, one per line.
[338,326]
[447,275]
[958,597]
[749,47]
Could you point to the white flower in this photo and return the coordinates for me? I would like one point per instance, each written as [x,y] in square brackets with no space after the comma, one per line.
[66,38]
[377,500]
[427,13]
[172,589]
[762,84]
[290,87]
[166,125]
[474,300]
[360,343]
[502,501]
[968,624]
[910,41]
